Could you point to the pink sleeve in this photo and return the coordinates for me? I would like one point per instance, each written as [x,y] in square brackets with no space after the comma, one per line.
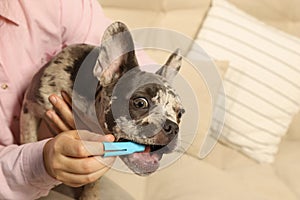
[22,172]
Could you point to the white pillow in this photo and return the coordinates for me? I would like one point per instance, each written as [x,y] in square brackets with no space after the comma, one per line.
[262,83]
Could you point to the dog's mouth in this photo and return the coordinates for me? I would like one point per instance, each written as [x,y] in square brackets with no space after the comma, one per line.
[151,148]
[146,162]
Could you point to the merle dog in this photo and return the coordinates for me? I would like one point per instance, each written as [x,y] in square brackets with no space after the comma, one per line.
[144,108]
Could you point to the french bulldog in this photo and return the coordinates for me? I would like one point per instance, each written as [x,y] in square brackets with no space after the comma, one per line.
[132,104]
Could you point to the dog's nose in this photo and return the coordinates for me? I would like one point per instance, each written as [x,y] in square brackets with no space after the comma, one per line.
[170,127]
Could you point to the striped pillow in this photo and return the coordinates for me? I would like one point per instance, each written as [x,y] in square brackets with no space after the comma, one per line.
[262,83]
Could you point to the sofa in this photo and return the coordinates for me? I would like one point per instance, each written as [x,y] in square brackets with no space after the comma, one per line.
[226,172]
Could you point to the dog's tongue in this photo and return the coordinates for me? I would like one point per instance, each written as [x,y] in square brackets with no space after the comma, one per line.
[146,157]
[147,149]
[145,161]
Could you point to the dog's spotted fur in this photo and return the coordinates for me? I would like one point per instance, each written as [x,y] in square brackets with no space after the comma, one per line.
[155,125]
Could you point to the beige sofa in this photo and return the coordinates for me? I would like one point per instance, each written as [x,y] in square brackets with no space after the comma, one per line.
[225,173]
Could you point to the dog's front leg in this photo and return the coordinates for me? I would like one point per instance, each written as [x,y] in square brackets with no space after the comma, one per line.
[28,125]
[91,191]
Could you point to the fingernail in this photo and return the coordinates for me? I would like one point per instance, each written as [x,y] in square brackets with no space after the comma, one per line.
[110,138]
[53,99]
[63,93]
[49,114]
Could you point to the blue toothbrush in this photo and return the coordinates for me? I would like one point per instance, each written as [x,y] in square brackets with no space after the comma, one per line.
[121,148]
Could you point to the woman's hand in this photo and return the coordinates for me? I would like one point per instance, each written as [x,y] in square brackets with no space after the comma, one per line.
[74,157]
[61,118]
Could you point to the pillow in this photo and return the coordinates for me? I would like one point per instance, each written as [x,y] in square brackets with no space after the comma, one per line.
[262,83]
[294,129]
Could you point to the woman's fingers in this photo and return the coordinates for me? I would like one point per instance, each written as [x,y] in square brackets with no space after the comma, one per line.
[90,136]
[86,144]
[76,161]
[66,98]
[85,166]
[62,116]
[56,123]
[77,180]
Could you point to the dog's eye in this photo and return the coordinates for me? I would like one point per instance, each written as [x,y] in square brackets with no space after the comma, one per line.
[140,103]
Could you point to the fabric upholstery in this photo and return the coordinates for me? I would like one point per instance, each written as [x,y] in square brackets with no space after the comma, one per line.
[262,83]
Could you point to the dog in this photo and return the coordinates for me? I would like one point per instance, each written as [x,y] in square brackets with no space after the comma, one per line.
[132,104]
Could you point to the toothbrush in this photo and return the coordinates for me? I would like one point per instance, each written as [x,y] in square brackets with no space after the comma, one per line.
[121,148]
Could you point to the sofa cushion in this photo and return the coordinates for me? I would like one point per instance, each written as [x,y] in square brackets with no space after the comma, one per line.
[183,16]
[188,178]
[283,15]
[287,164]
[191,178]
[262,82]
[267,181]
[294,129]
[204,101]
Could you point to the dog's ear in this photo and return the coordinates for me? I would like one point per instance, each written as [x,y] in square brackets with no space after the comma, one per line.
[172,66]
[116,54]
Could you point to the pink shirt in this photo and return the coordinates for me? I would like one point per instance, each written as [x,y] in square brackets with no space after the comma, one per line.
[31,32]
